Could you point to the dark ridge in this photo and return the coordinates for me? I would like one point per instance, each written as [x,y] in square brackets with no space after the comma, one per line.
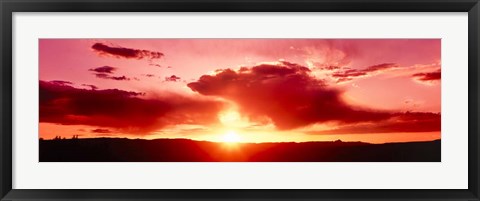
[184,150]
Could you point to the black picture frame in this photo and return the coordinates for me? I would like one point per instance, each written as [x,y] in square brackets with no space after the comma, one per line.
[8,7]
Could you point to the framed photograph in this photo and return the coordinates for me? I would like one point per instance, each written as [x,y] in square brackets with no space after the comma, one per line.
[239,100]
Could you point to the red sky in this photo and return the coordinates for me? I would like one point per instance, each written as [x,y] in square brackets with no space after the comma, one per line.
[372,90]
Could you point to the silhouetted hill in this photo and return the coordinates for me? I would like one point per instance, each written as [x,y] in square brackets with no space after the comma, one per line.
[183,150]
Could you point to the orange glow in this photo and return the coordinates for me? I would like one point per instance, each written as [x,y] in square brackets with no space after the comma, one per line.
[231,137]
[229,117]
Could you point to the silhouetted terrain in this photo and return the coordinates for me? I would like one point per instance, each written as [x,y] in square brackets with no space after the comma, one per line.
[183,150]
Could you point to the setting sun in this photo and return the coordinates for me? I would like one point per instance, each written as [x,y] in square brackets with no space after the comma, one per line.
[231,137]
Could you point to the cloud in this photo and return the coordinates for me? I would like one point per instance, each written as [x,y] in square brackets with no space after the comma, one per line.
[105,72]
[61,82]
[156,65]
[104,69]
[287,94]
[101,130]
[397,123]
[91,86]
[428,77]
[122,110]
[349,74]
[329,67]
[106,76]
[128,53]
[172,78]
[148,75]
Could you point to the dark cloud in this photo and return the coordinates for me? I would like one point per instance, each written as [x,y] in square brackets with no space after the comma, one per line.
[157,65]
[329,67]
[397,123]
[91,86]
[287,94]
[105,72]
[349,74]
[129,53]
[106,76]
[61,82]
[380,67]
[430,76]
[172,78]
[101,130]
[148,75]
[119,78]
[121,110]
[104,69]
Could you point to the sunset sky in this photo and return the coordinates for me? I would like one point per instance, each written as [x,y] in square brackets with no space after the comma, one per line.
[247,90]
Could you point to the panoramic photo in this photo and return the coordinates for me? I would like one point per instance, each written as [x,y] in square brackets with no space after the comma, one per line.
[239,100]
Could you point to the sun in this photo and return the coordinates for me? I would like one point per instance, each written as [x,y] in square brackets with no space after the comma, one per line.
[231,137]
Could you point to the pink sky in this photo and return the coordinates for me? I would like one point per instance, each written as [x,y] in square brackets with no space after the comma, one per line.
[384,78]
